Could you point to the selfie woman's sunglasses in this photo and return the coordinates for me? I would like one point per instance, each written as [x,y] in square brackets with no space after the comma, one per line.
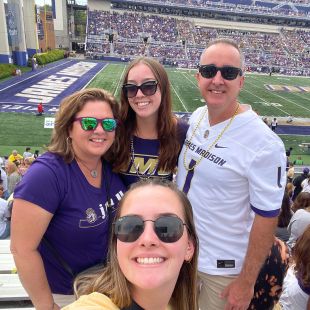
[228,72]
[148,89]
[91,123]
[168,228]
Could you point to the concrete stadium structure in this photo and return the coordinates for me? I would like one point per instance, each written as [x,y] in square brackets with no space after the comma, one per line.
[19,29]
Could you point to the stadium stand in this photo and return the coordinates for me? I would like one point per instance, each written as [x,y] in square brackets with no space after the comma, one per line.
[179,42]
[296,9]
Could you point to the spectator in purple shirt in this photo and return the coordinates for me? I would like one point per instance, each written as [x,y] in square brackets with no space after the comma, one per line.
[65,203]
[151,136]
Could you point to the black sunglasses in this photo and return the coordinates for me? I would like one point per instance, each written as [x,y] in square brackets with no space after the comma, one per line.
[148,89]
[168,228]
[91,123]
[228,72]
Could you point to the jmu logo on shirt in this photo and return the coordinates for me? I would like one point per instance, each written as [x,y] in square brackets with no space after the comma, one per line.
[97,217]
[146,166]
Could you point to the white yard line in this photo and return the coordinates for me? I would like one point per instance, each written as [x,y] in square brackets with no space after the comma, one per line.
[179,98]
[94,76]
[263,100]
[119,81]
[185,74]
[283,98]
[30,77]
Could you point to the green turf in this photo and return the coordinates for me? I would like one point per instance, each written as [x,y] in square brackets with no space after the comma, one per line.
[186,96]
[18,130]
[294,142]
[9,71]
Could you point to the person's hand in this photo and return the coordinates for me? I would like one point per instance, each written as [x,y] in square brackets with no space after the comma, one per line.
[238,295]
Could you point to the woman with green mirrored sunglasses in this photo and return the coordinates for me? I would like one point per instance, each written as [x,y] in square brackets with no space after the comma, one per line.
[64,205]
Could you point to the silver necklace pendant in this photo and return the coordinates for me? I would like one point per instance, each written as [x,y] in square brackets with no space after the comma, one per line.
[94,173]
[206,134]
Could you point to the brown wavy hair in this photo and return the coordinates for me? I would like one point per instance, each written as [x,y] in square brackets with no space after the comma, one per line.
[302,201]
[169,145]
[69,107]
[110,280]
[301,257]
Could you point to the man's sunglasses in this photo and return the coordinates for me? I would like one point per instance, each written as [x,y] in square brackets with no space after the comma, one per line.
[91,123]
[228,72]
[168,228]
[148,89]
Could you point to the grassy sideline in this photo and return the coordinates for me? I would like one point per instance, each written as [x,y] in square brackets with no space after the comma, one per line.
[18,130]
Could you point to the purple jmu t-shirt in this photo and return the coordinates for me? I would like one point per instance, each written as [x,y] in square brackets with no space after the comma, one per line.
[79,229]
[146,156]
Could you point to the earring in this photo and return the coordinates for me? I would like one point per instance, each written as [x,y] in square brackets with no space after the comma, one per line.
[68,140]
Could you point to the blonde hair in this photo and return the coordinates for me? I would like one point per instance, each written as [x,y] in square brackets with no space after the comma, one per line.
[69,107]
[11,167]
[110,280]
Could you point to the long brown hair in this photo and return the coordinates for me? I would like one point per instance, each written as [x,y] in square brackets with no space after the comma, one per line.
[302,201]
[169,145]
[301,257]
[110,280]
[69,107]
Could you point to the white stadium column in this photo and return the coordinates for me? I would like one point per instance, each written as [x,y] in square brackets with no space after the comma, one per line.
[5,56]
[30,27]
[15,24]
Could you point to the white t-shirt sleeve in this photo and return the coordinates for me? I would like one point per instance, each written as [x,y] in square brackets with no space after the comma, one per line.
[267,178]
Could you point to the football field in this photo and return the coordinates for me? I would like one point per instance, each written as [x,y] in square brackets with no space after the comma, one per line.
[277,96]
[268,95]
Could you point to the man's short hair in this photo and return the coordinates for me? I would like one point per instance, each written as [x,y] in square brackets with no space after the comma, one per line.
[228,42]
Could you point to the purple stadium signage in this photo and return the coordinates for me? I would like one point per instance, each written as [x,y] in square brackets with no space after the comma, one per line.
[48,85]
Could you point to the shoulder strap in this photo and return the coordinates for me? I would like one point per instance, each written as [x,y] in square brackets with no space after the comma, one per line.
[62,262]
[107,186]
[52,249]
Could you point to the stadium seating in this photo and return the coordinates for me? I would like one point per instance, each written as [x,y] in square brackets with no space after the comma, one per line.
[180,42]
[297,8]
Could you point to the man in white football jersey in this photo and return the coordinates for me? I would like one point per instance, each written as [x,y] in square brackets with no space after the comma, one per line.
[232,166]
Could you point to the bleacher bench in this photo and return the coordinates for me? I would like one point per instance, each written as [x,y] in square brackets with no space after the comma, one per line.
[12,294]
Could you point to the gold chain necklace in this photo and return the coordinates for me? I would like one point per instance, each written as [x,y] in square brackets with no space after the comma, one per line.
[212,144]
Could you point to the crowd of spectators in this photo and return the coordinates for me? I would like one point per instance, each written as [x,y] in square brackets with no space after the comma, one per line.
[179,42]
[296,8]
[12,169]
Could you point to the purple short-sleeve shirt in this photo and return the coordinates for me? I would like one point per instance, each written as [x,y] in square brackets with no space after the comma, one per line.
[79,229]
